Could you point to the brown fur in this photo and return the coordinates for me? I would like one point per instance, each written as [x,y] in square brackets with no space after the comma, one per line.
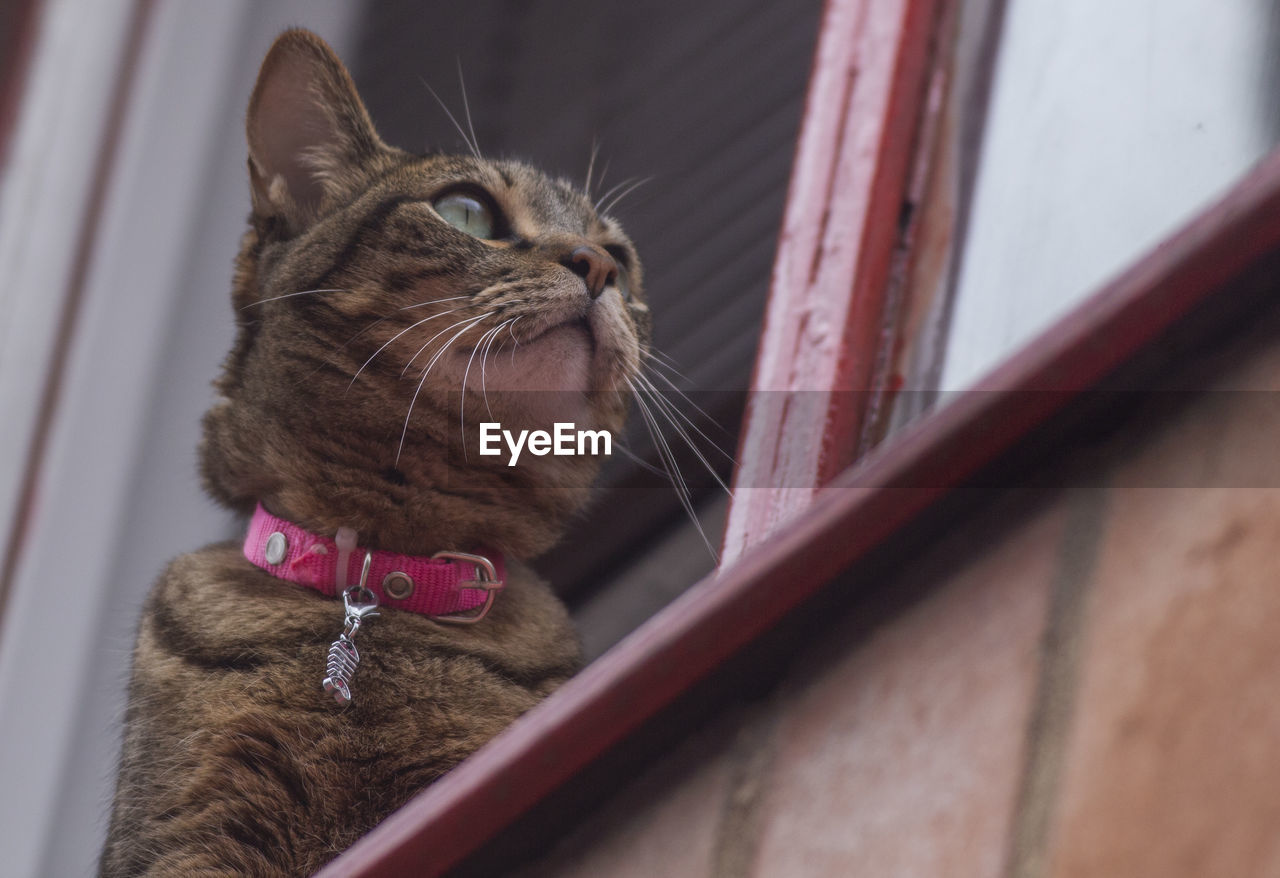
[235,762]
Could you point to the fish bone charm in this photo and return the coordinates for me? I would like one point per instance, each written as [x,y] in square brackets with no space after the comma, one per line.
[344,658]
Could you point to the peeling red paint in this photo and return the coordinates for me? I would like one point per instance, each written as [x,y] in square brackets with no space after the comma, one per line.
[824,320]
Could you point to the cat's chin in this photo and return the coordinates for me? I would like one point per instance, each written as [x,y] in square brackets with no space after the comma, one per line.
[556,361]
[541,380]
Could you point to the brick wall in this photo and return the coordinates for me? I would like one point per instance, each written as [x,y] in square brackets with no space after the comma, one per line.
[1079,681]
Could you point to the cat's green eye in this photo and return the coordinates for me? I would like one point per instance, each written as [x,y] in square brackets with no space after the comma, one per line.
[466,213]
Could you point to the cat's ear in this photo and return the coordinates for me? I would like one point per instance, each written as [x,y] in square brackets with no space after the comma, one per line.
[309,134]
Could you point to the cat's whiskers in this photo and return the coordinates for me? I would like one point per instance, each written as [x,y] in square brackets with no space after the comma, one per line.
[591,165]
[484,392]
[389,341]
[465,324]
[685,417]
[433,302]
[638,460]
[474,148]
[613,189]
[516,342]
[486,344]
[462,409]
[667,456]
[466,108]
[291,295]
[674,416]
[658,358]
[370,325]
[664,450]
[604,172]
[621,195]
[495,289]
[428,342]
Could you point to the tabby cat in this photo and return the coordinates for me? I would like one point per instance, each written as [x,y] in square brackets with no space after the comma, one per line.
[386,304]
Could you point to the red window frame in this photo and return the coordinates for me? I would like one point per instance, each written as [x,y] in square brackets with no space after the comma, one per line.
[828,318]
[874,62]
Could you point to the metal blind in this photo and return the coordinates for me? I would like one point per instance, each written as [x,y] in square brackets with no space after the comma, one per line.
[703,98]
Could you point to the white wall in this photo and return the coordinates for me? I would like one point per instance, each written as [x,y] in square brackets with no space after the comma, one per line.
[118,493]
[1112,122]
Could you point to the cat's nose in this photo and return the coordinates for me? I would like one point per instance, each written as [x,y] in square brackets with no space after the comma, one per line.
[593,265]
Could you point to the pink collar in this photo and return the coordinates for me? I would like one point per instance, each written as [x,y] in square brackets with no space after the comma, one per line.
[441,585]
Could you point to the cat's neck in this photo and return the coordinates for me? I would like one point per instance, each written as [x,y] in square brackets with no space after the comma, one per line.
[427,502]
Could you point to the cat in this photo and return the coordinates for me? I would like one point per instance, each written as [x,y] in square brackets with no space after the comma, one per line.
[386,305]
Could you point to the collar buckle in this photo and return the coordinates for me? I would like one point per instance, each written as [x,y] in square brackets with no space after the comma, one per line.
[486,579]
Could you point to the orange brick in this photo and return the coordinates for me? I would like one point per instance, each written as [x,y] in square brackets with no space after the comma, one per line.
[664,826]
[1172,767]
[902,755]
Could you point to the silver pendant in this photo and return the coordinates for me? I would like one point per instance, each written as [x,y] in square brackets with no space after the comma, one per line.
[344,658]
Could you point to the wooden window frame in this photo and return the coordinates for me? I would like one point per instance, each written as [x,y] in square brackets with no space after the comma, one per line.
[1193,276]
[830,314]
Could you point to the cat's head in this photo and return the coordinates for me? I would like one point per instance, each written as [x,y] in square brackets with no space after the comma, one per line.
[388,303]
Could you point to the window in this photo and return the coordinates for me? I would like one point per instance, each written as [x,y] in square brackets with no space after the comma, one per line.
[1108,126]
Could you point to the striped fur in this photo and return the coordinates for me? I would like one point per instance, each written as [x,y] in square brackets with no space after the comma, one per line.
[234,761]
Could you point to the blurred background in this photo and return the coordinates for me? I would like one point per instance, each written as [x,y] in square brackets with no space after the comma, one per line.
[1073,138]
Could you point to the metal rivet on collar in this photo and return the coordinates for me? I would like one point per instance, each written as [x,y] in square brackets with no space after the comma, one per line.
[277,546]
[397,585]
